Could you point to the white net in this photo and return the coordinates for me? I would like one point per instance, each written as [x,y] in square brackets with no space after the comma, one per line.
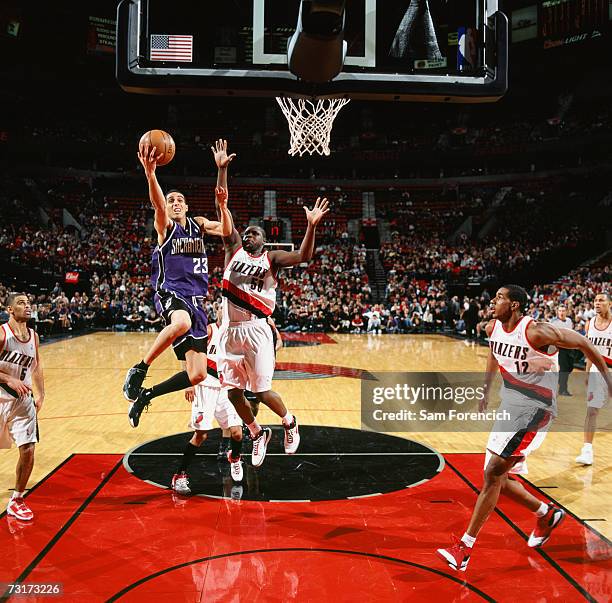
[310,123]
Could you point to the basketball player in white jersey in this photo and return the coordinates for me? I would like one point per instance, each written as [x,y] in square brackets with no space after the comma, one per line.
[599,333]
[208,401]
[224,443]
[520,349]
[246,358]
[20,369]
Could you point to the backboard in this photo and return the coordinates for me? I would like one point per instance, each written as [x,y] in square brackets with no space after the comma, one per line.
[437,50]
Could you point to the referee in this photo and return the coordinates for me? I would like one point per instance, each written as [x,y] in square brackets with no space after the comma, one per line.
[566,357]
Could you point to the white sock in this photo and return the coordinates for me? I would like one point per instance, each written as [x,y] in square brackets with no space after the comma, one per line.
[16,494]
[287,419]
[254,428]
[542,510]
[468,540]
[587,447]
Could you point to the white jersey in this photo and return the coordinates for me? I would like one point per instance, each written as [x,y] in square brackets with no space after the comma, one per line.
[212,377]
[249,287]
[517,359]
[17,358]
[602,340]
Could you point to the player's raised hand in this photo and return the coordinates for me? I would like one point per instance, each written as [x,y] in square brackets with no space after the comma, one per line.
[219,151]
[221,196]
[148,158]
[315,214]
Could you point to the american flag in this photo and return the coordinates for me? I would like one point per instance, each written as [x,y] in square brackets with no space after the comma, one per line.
[171,48]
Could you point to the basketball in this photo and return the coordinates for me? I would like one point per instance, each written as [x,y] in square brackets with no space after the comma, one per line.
[163,143]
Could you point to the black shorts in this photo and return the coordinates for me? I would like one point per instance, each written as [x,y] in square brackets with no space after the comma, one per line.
[167,302]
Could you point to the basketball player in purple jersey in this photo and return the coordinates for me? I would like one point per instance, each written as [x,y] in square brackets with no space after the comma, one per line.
[180,280]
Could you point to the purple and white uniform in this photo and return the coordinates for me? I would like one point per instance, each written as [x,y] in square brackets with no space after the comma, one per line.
[179,276]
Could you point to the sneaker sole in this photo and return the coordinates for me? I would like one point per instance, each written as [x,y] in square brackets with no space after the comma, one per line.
[19,517]
[299,439]
[583,462]
[450,561]
[540,544]
[268,438]
[235,478]
[133,421]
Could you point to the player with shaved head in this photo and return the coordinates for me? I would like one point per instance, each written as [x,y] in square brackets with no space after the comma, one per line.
[246,346]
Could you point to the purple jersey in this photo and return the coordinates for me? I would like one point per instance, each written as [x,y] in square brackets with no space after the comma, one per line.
[180,264]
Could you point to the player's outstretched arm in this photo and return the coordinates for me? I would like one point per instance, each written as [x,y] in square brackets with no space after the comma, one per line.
[543,334]
[225,226]
[490,371]
[148,158]
[284,259]
[222,161]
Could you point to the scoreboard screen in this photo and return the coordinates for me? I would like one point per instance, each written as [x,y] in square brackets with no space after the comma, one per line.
[560,22]
[274,229]
[561,18]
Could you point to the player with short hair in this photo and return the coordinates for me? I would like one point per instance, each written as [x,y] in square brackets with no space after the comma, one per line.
[246,349]
[520,349]
[180,280]
[599,333]
[210,401]
[20,370]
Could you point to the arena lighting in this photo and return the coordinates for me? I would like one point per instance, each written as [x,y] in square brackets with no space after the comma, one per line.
[317,49]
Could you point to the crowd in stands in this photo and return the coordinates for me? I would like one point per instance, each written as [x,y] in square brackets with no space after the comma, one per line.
[110,247]
[331,295]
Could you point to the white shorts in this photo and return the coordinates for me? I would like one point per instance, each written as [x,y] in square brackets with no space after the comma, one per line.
[597,390]
[18,422]
[246,356]
[209,403]
[521,442]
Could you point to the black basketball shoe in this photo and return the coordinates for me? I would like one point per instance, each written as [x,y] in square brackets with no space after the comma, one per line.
[142,401]
[133,383]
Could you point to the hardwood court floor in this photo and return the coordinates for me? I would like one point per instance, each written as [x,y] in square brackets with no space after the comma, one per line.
[85,411]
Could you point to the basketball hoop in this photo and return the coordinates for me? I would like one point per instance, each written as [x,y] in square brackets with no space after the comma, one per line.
[310,123]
